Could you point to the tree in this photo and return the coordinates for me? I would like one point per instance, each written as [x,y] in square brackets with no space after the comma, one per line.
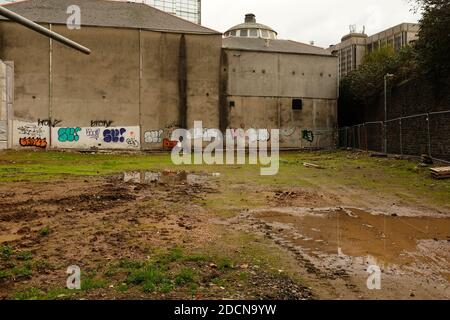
[433,45]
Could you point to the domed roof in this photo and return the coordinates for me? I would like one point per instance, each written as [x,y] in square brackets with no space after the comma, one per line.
[250,28]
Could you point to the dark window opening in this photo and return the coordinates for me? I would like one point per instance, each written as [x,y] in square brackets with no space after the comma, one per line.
[232,104]
[297,104]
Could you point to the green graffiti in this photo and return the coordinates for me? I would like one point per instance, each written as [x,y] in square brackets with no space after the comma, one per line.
[308,135]
[68,134]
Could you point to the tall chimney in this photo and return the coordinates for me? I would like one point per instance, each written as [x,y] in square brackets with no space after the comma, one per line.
[250,18]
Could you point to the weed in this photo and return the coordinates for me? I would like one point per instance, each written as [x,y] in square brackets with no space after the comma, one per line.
[44,231]
[151,277]
[88,284]
[185,276]
[225,263]
[5,252]
[29,294]
[24,255]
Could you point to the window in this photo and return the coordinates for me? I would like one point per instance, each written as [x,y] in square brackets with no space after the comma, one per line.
[233,33]
[244,33]
[253,33]
[297,104]
[264,34]
[232,104]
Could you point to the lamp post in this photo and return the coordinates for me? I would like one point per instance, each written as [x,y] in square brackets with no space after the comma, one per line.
[386,77]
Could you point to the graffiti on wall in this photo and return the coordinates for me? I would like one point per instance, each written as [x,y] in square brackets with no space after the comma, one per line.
[93,133]
[169,144]
[153,136]
[114,135]
[33,142]
[101,123]
[29,134]
[68,134]
[48,122]
[31,130]
[308,135]
[96,137]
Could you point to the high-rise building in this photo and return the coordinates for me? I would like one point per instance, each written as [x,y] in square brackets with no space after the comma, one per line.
[354,46]
[190,10]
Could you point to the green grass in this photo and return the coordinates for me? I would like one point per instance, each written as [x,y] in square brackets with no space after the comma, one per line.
[25,256]
[45,231]
[401,179]
[5,252]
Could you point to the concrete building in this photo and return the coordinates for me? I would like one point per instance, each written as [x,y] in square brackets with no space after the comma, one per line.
[354,46]
[271,83]
[149,72]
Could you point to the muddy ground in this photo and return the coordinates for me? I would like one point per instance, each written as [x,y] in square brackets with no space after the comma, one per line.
[167,235]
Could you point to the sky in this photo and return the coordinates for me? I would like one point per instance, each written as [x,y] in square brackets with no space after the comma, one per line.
[321,21]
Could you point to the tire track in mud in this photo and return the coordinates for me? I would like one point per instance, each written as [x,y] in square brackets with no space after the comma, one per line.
[321,278]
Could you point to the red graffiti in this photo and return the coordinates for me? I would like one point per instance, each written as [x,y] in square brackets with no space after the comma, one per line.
[168,144]
[33,142]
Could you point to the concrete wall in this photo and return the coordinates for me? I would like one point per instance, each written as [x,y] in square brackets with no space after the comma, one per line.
[130,93]
[3,107]
[262,86]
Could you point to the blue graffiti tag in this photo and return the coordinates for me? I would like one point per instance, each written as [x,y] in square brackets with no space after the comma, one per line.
[114,135]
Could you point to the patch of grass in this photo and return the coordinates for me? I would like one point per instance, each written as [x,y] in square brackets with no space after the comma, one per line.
[4,274]
[129,264]
[43,266]
[88,284]
[224,264]
[29,294]
[151,277]
[24,255]
[196,258]
[185,276]
[34,293]
[5,252]
[123,287]
[23,271]
[45,231]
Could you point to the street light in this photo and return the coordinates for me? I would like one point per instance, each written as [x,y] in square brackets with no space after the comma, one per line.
[386,77]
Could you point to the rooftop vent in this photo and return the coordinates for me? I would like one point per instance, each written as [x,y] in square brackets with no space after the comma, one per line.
[250,18]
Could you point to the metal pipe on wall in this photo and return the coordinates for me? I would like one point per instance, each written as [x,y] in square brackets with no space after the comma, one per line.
[38,28]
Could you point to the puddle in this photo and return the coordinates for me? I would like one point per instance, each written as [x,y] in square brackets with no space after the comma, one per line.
[380,239]
[167,177]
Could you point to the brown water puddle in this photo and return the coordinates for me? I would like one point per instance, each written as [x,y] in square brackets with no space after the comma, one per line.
[356,233]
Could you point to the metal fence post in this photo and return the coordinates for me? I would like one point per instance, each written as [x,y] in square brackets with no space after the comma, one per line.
[429,134]
[401,138]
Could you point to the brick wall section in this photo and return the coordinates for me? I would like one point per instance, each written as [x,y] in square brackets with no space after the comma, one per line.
[408,99]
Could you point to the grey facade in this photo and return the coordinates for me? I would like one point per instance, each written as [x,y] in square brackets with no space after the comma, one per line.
[150,73]
[354,46]
[271,83]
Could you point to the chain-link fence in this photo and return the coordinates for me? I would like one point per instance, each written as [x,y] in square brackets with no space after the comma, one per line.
[426,133]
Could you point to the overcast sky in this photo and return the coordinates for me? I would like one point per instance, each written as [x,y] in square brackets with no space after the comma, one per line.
[323,21]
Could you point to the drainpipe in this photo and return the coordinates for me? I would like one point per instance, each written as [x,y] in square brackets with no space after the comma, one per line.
[40,29]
